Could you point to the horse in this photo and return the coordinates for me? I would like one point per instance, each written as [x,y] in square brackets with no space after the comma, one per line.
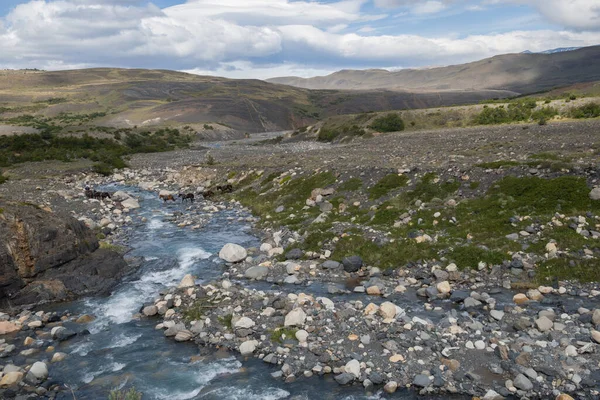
[92,194]
[167,197]
[186,196]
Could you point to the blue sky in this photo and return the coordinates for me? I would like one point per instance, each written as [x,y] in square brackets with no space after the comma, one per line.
[267,38]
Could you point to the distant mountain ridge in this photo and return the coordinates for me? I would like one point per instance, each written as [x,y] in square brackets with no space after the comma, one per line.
[521,73]
[552,51]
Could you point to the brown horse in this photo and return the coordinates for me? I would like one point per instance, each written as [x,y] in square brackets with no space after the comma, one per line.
[167,197]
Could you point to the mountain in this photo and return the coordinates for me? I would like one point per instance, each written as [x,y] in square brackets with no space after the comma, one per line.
[520,73]
[129,97]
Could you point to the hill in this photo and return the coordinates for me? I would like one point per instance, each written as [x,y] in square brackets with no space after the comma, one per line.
[521,73]
[123,98]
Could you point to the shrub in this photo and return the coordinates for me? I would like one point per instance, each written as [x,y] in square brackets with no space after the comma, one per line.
[386,184]
[328,134]
[3,179]
[131,394]
[590,110]
[388,123]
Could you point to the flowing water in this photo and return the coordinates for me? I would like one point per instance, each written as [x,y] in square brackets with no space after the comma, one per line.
[121,351]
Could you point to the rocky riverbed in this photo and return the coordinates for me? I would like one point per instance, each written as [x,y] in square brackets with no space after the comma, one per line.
[358,276]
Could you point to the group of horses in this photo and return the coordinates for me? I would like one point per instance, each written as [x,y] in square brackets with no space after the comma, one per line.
[191,197]
[93,194]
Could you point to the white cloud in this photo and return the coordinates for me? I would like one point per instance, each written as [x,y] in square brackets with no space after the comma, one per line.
[238,38]
[571,14]
[429,7]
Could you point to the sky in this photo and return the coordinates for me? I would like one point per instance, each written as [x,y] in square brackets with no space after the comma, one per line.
[269,38]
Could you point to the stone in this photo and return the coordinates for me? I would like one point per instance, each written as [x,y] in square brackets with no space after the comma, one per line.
[183,336]
[544,324]
[522,382]
[233,253]
[596,316]
[492,395]
[39,370]
[302,335]
[294,254]
[353,367]
[11,379]
[266,247]
[443,287]
[85,319]
[421,381]
[535,295]
[248,347]
[595,193]
[396,358]
[373,291]
[330,264]
[387,310]
[595,336]
[520,299]
[390,387]
[497,314]
[8,327]
[564,396]
[296,317]
[187,281]
[352,263]
[344,378]
[130,203]
[61,333]
[150,311]
[257,272]
[58,357]
[244,323]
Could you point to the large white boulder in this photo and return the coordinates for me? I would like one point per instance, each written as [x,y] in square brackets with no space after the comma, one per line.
[120,196]
[130,203]
[233,253]
[296,317]
[248,347]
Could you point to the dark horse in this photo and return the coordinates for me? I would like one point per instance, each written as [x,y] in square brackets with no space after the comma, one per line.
[167,197]
[186,196]
[92,194]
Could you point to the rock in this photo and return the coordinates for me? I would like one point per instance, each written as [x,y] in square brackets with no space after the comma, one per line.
[296,317]
[390,387]
[302,335]
[595,194]
[58,357]
[233,253]
[294,254]
[520,299]
[497,314]
[248,347]
[352,263]
[187,281]
[150,311]
[492,395]
[353,367]
[183,336]
[344,378]
[330,264]
[522,382]
[387,310]
[39,371]
[8,327]
[130,203]
[174,330]
[373,291]
[443,287]
[595,336]
[544,324]
[11,379]
[535,295]
[244,323]
[61,333]
[421,381]
[266,247]
[564,396]
[257,272]
[85,319]
[512,236]
[596,316]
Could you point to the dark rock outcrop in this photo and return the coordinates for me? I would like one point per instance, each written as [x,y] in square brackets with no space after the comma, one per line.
[45,258]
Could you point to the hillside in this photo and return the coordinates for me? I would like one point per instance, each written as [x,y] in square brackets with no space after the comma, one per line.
[123,98]
[521,73]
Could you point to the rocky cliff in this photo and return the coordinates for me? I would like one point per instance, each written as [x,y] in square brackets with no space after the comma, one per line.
[45,258]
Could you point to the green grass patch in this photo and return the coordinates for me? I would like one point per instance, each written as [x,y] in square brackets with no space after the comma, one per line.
[388,123]
[350,185]
[387,184]
[467,257]
[582,270]
[225,320]
[278,334]
[498,164]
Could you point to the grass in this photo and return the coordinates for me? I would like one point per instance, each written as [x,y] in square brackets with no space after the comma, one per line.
[277,335]
[119,394]
[226,321]
[112,247]
[3,179]
[350,185]
[582,270]
[388,123]
[387,184]
[498,164]
[468,257]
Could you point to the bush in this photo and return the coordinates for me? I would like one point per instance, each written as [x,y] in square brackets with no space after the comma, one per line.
[3,179]
[131,394]
[388,123]
[386,184]
[590,110]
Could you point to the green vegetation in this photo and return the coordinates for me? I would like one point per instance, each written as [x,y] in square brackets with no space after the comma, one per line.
[387,184]
[350,185]
[498,164]
[112,247]
[131,394]
[328,134]
[469,256]
[582,270]
[590,110]
[225,320]
[388,123]
[3,179]
[278,335]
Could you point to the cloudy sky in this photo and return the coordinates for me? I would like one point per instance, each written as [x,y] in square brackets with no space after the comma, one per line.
[267,38]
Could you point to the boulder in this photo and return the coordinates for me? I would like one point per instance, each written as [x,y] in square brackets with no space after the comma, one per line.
[120,196]
[344,378]
[11,379]
[296,317]
[443,287]
[387,310]
[244,323]
[248,347]
[150,311]
[421,381]
[85,319]
[353,367]
[352,263]
[39,371]
[595,194]
[130,203]
[8,327]
[183,336]
[233,253]
[187,281]
[522,382]
[294,254]
[257,272]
